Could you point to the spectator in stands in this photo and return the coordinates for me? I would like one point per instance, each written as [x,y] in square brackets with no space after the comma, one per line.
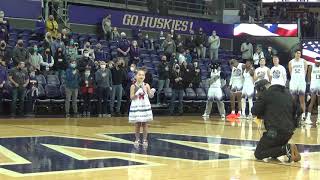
[283,14]
[148,76]
[161,40]
[186,70]
[65,37]
[103,79]
[246,50]
[188,56]
[214,44]
[87,90]
[90,51]
[196,74]
[20,54]
[3,80]
[5,52]
[19,79]
[106,27]
[140,38]
[72,82]
[33,91]
[118,78]
[257,56]
[52,26]
[48,62]
[244,13]
[115,34]
[99,53]
[48,41]
[268,55]
[134,53]
[147,42]
[58,43]
[163,71]
[169,47]
[305,25]
[60,63]
[177,79]
[124,48]
[40,29]
[179,43]
[182,57]
[72,50]
[86,61]
[4,28]
[259,14]
[190,43]
[173,34]
[201,41]
[36,59]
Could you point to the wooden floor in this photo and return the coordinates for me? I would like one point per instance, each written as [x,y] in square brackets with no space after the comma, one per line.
[186,148]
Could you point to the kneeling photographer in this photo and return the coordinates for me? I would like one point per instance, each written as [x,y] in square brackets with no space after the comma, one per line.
[280,113]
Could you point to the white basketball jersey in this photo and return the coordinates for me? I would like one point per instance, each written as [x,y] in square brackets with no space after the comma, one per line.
[262,73]
[315,75]
[278,75]
[248,79]
[236,74]
[217,82]
[298,71]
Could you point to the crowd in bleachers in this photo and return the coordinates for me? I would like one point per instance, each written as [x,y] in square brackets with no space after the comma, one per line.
[49,65]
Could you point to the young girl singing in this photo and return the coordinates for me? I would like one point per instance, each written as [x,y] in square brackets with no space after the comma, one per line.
[140,110]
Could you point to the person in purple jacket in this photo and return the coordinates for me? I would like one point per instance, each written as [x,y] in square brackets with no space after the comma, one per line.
[3,80]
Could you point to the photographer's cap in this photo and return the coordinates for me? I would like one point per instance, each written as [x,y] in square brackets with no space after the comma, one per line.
[261,83]
[317,59]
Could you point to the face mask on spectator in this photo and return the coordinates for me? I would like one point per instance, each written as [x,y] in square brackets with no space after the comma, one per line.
[73,65]
[3,45]
[20,44]
[110,66]
[102,66]
[132,69]
[32,74]
[87,73]
[86,55]
[195,64]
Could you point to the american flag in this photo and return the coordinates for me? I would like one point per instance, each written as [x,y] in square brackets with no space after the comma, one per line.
[311,50]
[277,30]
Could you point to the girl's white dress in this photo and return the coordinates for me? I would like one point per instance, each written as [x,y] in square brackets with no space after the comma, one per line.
[140,108]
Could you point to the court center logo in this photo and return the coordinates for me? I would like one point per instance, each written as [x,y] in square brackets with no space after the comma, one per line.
[48,153]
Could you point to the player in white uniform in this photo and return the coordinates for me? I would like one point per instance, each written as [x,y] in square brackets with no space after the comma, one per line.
[278,73]
[215,92]
[298,70]
[262,72]
[236,82]
[248,89]
[314,79]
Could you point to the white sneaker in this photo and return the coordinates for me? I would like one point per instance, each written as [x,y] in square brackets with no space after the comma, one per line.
[250,117]
[205,115]
[223,117]
[308,120]
[242,116]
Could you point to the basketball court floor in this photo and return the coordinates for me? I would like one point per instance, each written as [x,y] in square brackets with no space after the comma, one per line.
[180,148]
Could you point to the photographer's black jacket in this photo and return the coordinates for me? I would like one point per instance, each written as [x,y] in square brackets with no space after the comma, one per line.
[278,109]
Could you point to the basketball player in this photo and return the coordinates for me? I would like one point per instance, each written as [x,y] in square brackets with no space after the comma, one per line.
[298,71]
[278,74]
[248,89]
[262,72]
[236,84]
[215,92]
[314,79]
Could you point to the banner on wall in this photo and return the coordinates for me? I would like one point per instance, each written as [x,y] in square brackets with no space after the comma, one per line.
[28,9]
[132,20]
